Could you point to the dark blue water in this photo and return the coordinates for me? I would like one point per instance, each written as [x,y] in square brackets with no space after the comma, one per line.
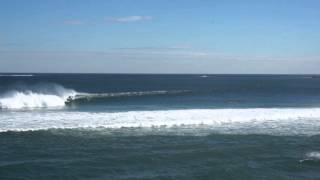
[213,91]
[124,126]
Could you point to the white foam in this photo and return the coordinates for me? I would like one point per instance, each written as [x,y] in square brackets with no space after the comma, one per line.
[257,120]
[26,99]
[312,156]
[20,100]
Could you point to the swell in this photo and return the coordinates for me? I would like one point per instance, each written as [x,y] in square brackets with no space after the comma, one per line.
[91,97]
[288,121]
[16,75]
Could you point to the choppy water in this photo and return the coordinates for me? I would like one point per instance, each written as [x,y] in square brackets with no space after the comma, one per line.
[98,126]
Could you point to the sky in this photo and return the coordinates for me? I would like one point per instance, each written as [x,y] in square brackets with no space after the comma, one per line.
[160,36]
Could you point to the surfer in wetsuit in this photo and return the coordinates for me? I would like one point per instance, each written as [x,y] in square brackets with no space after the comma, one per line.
[69,100]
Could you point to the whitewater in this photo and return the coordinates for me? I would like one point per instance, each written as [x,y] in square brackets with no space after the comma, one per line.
[304,121]
[16,99]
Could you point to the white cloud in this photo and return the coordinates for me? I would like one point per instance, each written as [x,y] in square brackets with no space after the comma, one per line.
[128,19]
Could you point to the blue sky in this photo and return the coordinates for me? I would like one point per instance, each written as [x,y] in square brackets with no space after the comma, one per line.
[164,36]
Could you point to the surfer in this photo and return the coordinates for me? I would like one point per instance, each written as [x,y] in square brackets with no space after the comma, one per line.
[69,100]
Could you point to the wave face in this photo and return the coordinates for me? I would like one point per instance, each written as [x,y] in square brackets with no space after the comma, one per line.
[289,121]
[86,97]
[39,96]
[127,94]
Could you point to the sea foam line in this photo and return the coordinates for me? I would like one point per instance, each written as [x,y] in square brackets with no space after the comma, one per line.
[254,120]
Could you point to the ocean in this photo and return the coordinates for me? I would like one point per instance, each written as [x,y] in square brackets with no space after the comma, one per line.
[151,126]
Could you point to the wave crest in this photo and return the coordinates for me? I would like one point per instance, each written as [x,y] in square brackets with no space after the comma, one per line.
[312,156]
[39,96]
[91,96]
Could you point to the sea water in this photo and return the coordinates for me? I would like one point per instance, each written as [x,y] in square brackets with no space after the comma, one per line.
[126,126]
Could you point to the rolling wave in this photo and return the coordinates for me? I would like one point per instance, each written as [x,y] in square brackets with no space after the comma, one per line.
[313,156]
[92,96]
[287,121]
[40,96]
[29,99]
[52,96]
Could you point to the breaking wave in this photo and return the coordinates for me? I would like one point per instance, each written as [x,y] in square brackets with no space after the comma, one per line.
[305,121]
[311,156]
[53,95]
[38,96]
